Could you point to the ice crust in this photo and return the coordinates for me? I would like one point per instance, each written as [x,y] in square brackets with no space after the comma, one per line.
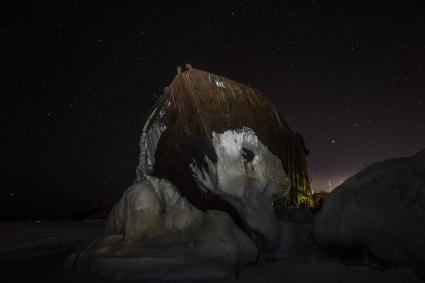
[233,174]
[150,208]
[156,225]
[152,131]
[250,186]
[154,231]
[379,212]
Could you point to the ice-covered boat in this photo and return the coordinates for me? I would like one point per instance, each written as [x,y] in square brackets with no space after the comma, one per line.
[197,104]
[215,156]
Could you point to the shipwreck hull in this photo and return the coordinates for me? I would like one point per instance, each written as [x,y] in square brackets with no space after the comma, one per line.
[180,130]
[215,155]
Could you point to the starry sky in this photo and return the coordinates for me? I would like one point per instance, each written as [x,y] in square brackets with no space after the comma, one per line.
[79,78]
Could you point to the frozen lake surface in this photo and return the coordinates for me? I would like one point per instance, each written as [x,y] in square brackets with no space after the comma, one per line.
[34,252]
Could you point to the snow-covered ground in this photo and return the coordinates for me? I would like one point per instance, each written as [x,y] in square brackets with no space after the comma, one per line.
[25,240]
[34,252]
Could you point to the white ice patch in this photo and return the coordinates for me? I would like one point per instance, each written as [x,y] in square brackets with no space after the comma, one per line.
[249,177]
[234,173]
[148,143]
[219,84]
[152,207]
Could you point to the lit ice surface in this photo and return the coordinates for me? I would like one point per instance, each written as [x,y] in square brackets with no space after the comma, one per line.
[249,177]
[154,232]
[234,174]
[152,131]
[150,208]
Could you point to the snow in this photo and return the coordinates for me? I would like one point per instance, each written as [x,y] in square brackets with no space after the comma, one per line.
[250,186]
[152,225]
[379,212]
[19,240]
[151,208]
[308,265]
[233,174]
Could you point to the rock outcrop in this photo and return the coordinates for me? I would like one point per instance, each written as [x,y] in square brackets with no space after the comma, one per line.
[379,212]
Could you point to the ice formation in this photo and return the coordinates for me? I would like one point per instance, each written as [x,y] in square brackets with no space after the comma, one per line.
[249,177]
[215,157]
[243,162]
[154,232]
[152,131]
[379,212]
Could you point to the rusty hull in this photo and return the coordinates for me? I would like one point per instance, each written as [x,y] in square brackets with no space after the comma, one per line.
[198,103]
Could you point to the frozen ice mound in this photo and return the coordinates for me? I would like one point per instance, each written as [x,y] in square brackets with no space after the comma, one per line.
[154,232]
[380,212]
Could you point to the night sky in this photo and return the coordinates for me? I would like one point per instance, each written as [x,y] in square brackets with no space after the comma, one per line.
[78,80]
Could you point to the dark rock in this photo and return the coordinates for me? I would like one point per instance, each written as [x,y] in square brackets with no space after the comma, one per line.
[380,212]
[301,215]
